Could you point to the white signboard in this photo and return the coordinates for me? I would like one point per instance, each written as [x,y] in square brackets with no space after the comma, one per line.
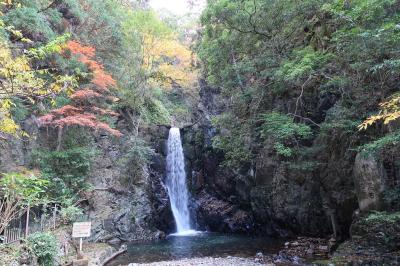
[81,229]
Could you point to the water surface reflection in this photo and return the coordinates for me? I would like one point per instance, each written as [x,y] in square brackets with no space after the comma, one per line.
[200,245]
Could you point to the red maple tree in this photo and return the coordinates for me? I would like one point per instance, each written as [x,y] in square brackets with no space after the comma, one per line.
[86,54]
[83,110]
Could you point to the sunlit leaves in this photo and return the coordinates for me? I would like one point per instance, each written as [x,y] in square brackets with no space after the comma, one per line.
[56,46]
[165,59]
[390,111]
[174,63]
[18,79]
[16,71]
[8,125]
[25,185]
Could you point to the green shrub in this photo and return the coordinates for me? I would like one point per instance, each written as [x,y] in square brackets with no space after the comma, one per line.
[340,118]
[53,16]
[44,247]
[305,61]
[70,214]
[283,150]
[19,110]
[154,111]
[387,141]
[66,169]
[30,22]
[282,130]
[233,140]
[383,217]
[137,153]
[379,230]
[76,9]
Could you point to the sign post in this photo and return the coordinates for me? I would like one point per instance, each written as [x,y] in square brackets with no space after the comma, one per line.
[81,230]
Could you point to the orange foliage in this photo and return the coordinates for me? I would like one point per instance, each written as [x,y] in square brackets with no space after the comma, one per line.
[77,48]
[101,111]
[103,80]
[85,94]
[66,110]
[83,113]
[86,55]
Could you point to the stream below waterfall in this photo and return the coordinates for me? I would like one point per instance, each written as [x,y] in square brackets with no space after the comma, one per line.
[199,245]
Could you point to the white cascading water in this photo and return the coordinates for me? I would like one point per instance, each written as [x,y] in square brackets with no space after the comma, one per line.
[176,183]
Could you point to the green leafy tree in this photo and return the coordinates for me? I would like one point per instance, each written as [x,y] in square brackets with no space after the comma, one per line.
[17,192]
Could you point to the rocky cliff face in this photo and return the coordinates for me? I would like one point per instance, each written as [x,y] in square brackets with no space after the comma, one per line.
[270,196]
[120,210]
[266,197]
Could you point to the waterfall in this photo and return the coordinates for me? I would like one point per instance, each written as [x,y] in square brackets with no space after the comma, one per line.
[176,183]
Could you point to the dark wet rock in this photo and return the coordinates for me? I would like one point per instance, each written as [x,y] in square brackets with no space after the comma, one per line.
[222,216]
[163,218]
[158,163]
[380,231]
[305,247]
[350,253]
[198,180]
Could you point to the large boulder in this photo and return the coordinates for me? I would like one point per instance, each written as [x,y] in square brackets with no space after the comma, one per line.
[369,181]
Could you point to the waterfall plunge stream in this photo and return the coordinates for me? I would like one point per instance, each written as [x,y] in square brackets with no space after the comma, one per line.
[176,183]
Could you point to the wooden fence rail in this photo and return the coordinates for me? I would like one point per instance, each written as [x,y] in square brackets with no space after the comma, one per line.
[12,235]
[29,223]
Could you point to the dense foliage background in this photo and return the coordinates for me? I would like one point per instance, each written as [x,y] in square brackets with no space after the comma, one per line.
[294,71]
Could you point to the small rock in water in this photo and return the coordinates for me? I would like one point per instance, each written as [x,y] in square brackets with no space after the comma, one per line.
[310,251]
[323,248]
[296,260]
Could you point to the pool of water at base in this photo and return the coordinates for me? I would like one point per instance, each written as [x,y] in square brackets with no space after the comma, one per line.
[198,245]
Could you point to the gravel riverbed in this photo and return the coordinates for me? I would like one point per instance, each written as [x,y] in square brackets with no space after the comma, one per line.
[207,261]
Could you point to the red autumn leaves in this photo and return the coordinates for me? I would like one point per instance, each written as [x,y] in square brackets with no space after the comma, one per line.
[84,111]
[86,54]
